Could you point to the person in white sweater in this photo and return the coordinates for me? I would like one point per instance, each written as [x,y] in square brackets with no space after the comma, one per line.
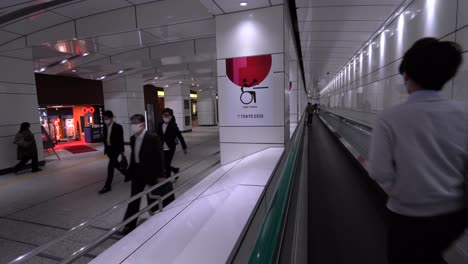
[419,156]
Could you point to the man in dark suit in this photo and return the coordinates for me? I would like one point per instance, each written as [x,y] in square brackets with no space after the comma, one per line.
[170,133]
[113,148]
[146,166]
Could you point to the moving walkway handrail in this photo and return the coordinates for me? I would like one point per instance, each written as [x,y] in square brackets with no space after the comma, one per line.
[268,241]
[87,248]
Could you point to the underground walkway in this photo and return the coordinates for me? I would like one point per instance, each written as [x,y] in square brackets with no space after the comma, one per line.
[346,209]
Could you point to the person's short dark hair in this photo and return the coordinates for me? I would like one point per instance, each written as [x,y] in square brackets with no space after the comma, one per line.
[25,126]
[108,114]
[431,63]
[138,117]
[168,110]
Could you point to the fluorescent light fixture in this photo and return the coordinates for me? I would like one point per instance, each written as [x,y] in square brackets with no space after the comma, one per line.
[64,61]
[243,4]
[101,78]
[85,54]
[121,71]
[42,69]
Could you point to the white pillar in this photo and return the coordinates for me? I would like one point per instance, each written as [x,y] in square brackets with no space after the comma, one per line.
[206,107]
[177,97]
[253,38]
[124,97]
[18,103]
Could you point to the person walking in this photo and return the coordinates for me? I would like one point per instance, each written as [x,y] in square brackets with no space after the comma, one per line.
[146,166]
[170,135]
[113,148]
[419,156]
[310,113]
[26,148]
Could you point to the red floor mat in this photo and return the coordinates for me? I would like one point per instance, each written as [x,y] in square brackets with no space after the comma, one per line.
[79,149]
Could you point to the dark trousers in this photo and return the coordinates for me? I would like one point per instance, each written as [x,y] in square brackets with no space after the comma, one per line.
[34,163]
[168,157]
[309,118]
[113,164]
[138,185]
[414,240]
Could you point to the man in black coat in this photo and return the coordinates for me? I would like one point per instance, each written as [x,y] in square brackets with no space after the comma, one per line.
[170,133]
[146,167]
[113,148]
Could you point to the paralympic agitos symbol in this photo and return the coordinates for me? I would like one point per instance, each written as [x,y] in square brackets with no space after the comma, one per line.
[248,72]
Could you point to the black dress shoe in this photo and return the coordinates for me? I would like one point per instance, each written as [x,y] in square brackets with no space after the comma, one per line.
[36,170]
[104,190]
[175,170]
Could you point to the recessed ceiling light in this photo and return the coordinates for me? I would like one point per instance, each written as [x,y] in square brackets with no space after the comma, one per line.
[101,78]
[198,85]
[154,82]
[121,71]
[85,54]
[42,69]
[180,81]
[73,70]
[63,61]
[156,77]
[166,85]
[243,4]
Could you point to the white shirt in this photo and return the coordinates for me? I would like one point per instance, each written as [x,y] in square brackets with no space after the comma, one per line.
[418,155]
[138,142]
[164,128]
[109,131]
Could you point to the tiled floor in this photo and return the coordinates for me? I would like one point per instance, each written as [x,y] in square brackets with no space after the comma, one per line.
[35,208]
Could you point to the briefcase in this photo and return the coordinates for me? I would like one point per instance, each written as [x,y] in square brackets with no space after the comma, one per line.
[162,191]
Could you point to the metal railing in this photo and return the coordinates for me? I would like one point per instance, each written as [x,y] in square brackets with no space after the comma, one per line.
[269,239]
[90,246]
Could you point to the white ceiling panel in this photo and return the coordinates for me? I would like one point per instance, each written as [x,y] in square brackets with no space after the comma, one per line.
[379,13]
[310,3]
[336,36]
[359,26]
[170,12]
[212,7]
[198,29]
[35,22]
[60,32]
[206,48]
[116,21]
[7,36]
[14,44]
[183,48]
[131,56]
[90,7]
[132,38]
[277,2]
[229,6]
[24,54]
[334,44]
[138,2]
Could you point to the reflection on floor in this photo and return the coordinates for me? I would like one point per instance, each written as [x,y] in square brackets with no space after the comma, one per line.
[35,208]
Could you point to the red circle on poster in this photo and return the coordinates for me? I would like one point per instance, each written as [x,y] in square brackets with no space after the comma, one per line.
[248,71]
[91,110]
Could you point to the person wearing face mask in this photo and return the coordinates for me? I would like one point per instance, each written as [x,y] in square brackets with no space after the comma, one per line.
[419,156]
[170,135]
[113,148]
[146,167]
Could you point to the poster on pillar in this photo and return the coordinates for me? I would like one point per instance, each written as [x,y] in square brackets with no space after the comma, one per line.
[253,91]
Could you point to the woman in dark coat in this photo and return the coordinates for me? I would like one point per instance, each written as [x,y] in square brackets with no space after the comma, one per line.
[169,132]
[26,148]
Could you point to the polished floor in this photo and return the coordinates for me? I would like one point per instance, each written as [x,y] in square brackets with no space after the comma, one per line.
[35,208]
